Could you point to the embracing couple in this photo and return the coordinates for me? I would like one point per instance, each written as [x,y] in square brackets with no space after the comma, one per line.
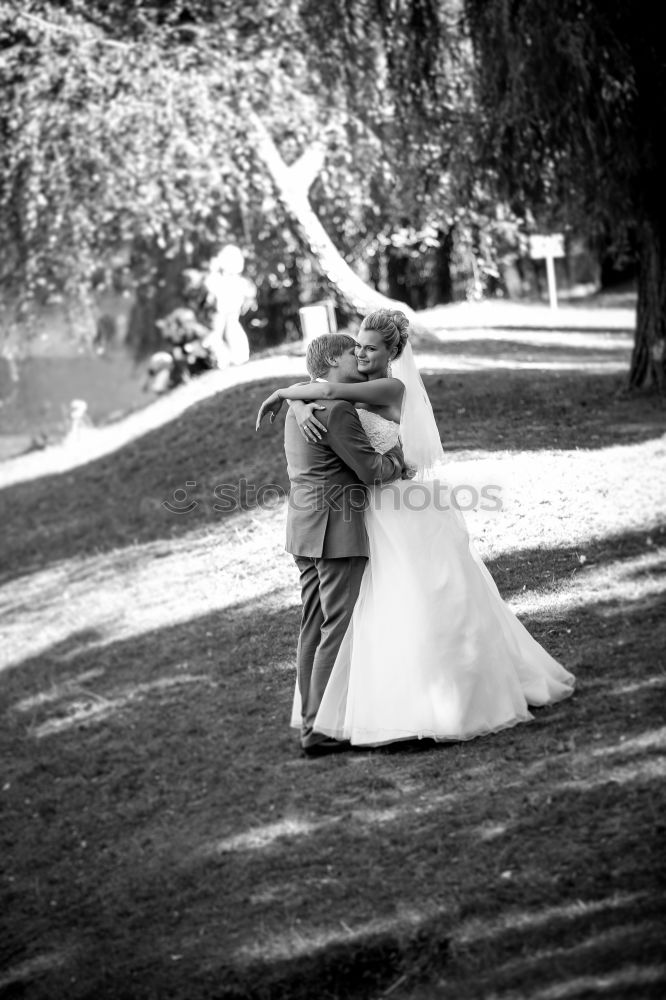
[403,633]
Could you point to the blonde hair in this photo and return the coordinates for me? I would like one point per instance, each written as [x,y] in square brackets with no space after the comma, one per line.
[324,349]
[392,326]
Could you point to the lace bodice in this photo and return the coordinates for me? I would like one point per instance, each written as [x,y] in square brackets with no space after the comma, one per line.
[382,433]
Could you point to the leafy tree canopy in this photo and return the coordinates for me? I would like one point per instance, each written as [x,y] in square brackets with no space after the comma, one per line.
[570,93]
[129,124]
[571,98]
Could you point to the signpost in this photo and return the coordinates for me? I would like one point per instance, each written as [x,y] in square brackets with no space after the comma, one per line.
[318,318]
[548,247]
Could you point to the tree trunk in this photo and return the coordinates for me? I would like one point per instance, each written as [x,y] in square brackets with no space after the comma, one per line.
[648,362]
[293,192]
[396,270]
[444,279]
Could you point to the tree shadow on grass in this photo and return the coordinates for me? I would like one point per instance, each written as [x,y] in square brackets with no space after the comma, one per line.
[118,501]
[528,859]
[514,570]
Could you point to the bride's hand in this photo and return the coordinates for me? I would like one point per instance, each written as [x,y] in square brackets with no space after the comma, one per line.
[271,406]
[311,428]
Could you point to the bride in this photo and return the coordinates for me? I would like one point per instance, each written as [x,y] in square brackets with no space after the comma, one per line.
[432,650]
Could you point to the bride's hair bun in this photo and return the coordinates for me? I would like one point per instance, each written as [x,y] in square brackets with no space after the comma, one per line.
[392,325]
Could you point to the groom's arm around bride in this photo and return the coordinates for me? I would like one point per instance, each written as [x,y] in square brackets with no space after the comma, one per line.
[326,535]
[328,483]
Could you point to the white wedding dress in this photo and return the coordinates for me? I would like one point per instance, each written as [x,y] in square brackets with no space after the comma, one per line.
[432,649]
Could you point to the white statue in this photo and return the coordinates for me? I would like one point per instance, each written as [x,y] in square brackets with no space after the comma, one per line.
[231,294]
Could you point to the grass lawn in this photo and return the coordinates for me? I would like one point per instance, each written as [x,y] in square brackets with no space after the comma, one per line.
[162,837]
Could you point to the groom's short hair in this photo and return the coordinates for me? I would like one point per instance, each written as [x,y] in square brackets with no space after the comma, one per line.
[324,349]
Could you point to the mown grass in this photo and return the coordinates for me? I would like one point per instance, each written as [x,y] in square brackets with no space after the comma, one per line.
[162,836]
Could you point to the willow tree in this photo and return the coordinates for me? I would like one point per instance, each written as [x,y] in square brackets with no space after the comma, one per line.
[128,127]
[572,96]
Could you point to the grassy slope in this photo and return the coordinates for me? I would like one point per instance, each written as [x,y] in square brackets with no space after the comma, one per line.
[163,838]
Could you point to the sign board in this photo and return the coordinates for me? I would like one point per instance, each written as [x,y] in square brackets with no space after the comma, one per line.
[318,318]
[547,246]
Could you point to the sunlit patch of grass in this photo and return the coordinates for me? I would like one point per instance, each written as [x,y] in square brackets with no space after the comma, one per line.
[309,940]
[625,580]
[35,967]
[647,684]
[149,585]
[649,739]
[649,769]
[87,707]
[528,919]
[261,837]
[67,688]
[587,948]
[622,982]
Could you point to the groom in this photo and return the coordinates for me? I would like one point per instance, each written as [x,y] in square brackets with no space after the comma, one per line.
[325,524]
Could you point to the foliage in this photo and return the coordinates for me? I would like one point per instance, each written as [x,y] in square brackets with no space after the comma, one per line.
[110,146]
[127,135]
[570,96]
[128,141]
[567,91]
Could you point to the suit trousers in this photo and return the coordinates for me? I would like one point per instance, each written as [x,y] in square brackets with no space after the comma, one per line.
[329,589]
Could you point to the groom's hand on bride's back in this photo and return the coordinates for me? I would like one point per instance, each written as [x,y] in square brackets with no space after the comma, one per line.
[406,470]
[396,455]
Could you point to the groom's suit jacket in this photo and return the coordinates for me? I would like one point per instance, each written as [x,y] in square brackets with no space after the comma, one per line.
[328,479]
